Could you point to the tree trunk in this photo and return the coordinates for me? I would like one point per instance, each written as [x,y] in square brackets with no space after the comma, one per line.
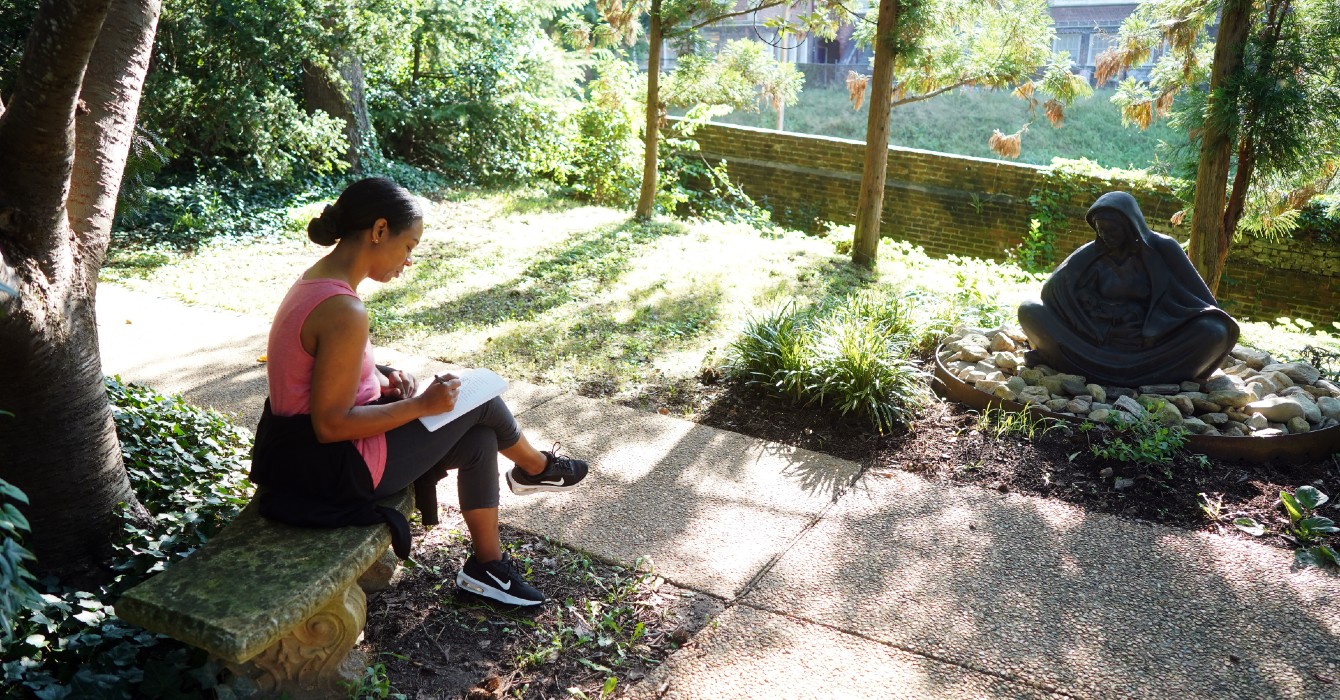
[870,206]
[341,97]
[646,201]
[1210,239]
[61,446]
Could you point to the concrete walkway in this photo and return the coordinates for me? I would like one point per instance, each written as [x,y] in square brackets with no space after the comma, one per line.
[840,584]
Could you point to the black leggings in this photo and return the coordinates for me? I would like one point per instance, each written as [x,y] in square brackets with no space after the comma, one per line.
[470,443]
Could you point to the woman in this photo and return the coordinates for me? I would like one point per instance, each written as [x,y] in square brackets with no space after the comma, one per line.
[339,432]
[1128,308]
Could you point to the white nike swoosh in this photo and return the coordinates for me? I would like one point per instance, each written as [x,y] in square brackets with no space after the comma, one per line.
[504,586]
[552,483]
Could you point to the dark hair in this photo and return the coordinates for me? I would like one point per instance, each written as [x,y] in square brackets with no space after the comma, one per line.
[359,207]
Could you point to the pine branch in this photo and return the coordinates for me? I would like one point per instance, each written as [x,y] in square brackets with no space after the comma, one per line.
[713,20]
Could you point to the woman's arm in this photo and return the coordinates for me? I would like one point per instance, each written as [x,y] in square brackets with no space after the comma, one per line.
[336,333]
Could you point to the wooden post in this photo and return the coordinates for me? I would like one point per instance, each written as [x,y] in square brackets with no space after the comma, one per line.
[871,203]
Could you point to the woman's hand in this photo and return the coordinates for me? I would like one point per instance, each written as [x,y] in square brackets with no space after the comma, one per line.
[440,396]
[397,385]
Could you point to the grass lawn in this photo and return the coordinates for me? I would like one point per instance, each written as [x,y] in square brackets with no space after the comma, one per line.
[547,290]
[962,121]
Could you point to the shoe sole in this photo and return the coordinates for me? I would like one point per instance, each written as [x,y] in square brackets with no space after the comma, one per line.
[523,489]
[468,584]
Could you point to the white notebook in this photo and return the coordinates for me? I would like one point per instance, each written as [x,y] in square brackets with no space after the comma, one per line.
[477,386]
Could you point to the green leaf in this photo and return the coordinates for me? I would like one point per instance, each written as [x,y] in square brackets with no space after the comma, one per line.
[1309,497]
[1325,553]
[1291,505]
[1318,524]
[610,684]
[1250,526]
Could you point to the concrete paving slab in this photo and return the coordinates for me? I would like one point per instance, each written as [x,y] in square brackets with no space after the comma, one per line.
[211,356]
[1038,591]
[748,653]
[710,507]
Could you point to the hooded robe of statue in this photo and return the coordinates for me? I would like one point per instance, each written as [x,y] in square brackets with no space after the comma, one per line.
[1129,323]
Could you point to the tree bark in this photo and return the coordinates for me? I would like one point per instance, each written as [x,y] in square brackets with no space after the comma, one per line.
[646,201]
[341,97]
[61,446]
[1210,238]
[870,205]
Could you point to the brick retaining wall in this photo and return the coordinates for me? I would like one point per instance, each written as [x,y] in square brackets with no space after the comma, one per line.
[959,205]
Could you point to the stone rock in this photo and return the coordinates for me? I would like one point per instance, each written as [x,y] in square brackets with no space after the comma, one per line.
[1196,426]
[1002,343]
[1316,391]
[1073,386]
[1190,386]
[986,366]
[1311,411]
[1230,397]
[1299,372]
[1099,415]
[987,386]
[1281,379]
[973,376]
[1047,371]
[1131,406]
[1016,384]
[995,376]
[970,338]
[1113,392]
[974,353]
[1298,425]
[1080,404]
[1330,387]
[1294,391]
[1236,425]
[1277,409]
[1203,406]
[1034,394]
[1212,432]
[1183,404]
[1097,392]
[1256,359]
[1234,432]
[1328,423]
[1282,427]
[1053,383]
[946,356]
[1006,360]
[1239,416]
[1161,389]
[1004,392]
[1057,404]
[1215,418]
[1262,386]
[1031,375]
[1169,415]
[1268,432]
[1015,333]
[1329,407]
[1222,382]
[1257,422]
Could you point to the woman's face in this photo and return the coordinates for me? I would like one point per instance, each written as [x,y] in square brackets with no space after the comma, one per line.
[1114,231]
[394,251]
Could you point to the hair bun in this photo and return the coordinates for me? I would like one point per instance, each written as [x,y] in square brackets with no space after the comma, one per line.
[323,230]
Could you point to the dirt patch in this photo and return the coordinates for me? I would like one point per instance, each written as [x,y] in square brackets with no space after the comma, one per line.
[602,621]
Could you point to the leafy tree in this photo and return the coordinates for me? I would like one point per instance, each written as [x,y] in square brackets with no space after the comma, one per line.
[1262,104]
[737,78]
[64,137]
[925,48]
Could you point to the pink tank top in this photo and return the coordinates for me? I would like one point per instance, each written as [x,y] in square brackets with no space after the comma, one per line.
[289,366]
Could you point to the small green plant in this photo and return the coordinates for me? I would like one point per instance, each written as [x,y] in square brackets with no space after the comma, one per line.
[17,585]
[374,685]
[999,423]
[1144,442]
[1307,528]
[1212,507]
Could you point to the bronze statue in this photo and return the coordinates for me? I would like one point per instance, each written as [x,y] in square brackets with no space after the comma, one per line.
[1127,308]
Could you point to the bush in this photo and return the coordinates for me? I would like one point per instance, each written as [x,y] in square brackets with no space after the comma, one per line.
[850,354]
[16,583]
[187,467]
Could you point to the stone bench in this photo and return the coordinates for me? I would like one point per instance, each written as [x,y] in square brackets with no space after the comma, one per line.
[281,606]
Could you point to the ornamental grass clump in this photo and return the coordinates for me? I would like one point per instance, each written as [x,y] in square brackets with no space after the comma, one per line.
[850,354]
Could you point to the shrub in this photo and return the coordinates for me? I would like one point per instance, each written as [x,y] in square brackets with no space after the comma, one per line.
[187,468]
[849,354]
[16,583]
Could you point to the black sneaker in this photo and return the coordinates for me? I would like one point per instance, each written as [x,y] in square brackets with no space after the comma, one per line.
[560,474]
[497,580]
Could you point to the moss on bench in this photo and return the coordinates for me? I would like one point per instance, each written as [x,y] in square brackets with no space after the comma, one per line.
[254,582]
